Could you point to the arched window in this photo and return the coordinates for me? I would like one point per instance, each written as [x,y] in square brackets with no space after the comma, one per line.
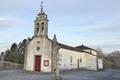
[37,28]
[37,24]
[42,25]
[80,60]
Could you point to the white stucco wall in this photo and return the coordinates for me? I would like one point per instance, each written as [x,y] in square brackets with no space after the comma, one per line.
[45,53]
[88,61]
[100,63]
[91,51]
[94,52]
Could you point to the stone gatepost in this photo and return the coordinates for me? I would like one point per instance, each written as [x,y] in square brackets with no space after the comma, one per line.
[55,60]
[2,60]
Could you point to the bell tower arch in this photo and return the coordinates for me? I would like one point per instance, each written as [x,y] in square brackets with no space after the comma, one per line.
[41,24]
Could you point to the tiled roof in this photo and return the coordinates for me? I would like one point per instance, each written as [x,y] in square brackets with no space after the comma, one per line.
[82,47]
[69,47]
[73,48]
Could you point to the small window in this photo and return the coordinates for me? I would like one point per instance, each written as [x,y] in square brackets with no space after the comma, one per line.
[71,59]
[38,48]
[38,42]
[37,24]
[80,60]
[42,27]
[42,24]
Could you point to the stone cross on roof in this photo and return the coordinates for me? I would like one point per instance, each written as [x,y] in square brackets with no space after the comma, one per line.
[42,6]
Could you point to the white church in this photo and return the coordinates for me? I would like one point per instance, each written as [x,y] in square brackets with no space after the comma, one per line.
[38,52]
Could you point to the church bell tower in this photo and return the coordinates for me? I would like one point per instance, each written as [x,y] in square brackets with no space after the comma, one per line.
[41,24]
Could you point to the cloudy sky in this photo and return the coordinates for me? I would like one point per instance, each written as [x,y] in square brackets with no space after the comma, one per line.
[95,23]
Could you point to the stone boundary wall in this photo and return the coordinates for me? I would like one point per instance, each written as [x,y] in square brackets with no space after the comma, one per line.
[10,65]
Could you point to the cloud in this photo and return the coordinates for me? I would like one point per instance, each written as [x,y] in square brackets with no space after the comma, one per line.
[16,4]
[107,48]
[4,46]
[103,28]
[74,21]
[6,23]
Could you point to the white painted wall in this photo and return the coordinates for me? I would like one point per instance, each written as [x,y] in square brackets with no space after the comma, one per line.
[45,52]
[94,52]
[100,63]
[91,51]
[88,61]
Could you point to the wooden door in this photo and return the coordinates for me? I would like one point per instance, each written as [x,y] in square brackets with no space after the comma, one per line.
[38,63]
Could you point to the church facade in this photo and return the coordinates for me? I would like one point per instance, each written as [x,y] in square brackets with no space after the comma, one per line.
[39,50]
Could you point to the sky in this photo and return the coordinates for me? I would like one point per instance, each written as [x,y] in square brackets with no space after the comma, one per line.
[94,23]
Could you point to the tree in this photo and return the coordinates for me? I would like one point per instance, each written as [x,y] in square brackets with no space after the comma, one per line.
[21,51]
[16,52]
[8,55]
[100,53]
[107,64]
[2,56]
[114,57]
[12,54]
[14,47]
